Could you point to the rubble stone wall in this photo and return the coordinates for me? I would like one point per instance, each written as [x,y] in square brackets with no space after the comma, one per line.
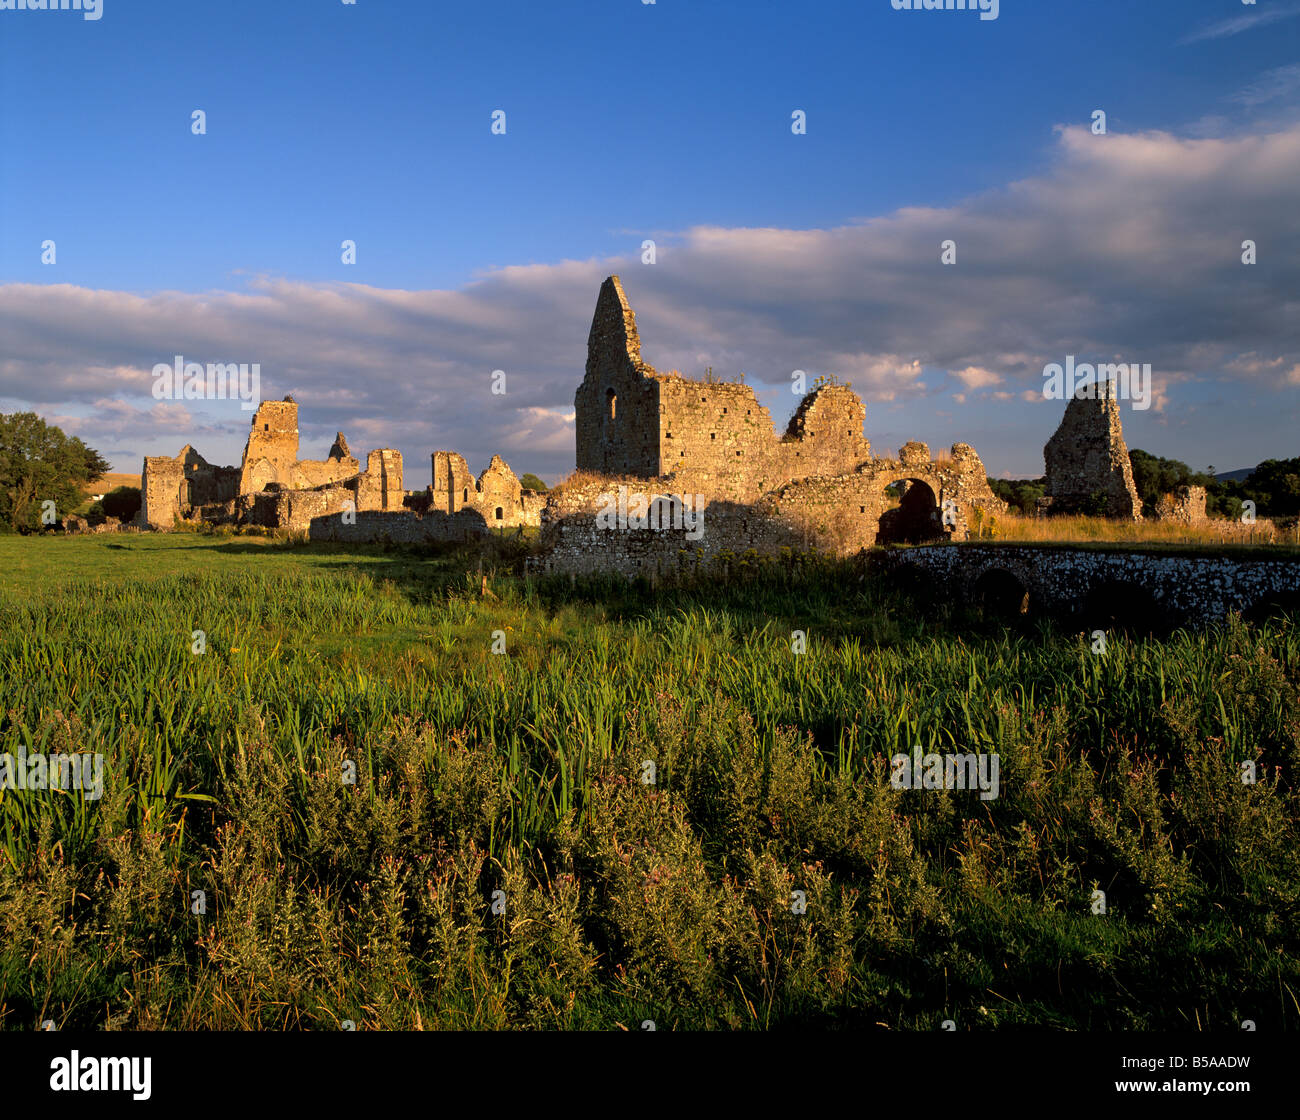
[1188,588]
[1185,506]
[1087,460]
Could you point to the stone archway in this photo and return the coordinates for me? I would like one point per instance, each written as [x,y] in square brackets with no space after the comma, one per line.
[259,476]
[1128,607]
[916,518]
[999,593]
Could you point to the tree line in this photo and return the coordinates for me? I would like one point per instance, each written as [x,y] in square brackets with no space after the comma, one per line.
[1274,487]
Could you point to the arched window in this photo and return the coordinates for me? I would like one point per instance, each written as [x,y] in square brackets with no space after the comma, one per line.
[611,399]
[500,514]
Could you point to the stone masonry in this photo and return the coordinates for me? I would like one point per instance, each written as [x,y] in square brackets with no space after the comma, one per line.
[1088,469]
[671,444]
[170,488]
[1185,506]
[1193,589]
[631,419]
[662,435]
[497,495]
[275,489]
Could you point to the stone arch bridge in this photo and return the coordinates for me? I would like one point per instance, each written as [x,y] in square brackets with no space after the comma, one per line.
[1126,586]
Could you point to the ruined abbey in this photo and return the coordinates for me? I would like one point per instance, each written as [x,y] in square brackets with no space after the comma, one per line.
[671,471]
[331,498]
[667,440]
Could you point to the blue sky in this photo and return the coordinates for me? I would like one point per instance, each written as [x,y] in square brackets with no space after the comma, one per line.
[670,121]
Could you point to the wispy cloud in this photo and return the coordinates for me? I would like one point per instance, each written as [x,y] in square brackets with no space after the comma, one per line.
[1247,21]
[1272,84]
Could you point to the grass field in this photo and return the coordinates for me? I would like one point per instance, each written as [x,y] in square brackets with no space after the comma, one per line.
[1070,530]
[522,773]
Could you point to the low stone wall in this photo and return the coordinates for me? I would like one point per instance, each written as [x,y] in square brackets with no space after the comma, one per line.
[1185,506]
[843,515]
[398,527]
[1183,587]
[580,544]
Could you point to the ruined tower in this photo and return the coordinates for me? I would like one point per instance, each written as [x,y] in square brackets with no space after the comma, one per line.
[453,485]
[1088,469]
[616,406]
[271,454]
[711,435]
[272,450]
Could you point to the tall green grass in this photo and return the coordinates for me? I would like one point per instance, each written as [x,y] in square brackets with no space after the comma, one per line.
[521,772]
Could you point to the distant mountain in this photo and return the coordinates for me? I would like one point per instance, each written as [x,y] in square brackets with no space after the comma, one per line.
[1235,476]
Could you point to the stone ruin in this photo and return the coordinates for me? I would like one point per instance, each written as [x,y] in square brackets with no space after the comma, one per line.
[1184,506]
[669,441]
[331,498]
[1088,468]
[698,468]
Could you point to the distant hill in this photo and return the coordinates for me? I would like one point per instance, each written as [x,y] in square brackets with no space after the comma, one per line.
[1234,476]
[109,482]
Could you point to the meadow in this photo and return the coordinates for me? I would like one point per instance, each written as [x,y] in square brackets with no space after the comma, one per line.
[501,861]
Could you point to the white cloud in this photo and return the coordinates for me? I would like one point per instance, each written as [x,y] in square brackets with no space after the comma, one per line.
[1127,248]
[976,377]
[1235,25]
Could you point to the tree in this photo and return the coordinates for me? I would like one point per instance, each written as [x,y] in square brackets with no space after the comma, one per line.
[1020,493]
[1274,487]
[532,482]
[39,464]
[1154,476]
[122,502]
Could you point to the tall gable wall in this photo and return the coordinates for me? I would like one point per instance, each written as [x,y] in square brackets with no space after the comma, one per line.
[632,420]
[453,485]
[617,405]
[272,449]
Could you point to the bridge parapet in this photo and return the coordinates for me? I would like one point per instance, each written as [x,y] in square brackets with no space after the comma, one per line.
[1185,587]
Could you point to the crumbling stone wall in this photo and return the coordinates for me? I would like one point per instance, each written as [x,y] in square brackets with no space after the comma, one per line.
[272,449]
[161,478]
[339,465]
[1187,588]
[294,510]
[399,528]
[617,406]
[849,512]
[573,539]
[380,486]
[271,454]
[1088,469]
[453,484]
[631,419]
[497,495]
[1185,506]
[841,514]
[172,488]
[817,486]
